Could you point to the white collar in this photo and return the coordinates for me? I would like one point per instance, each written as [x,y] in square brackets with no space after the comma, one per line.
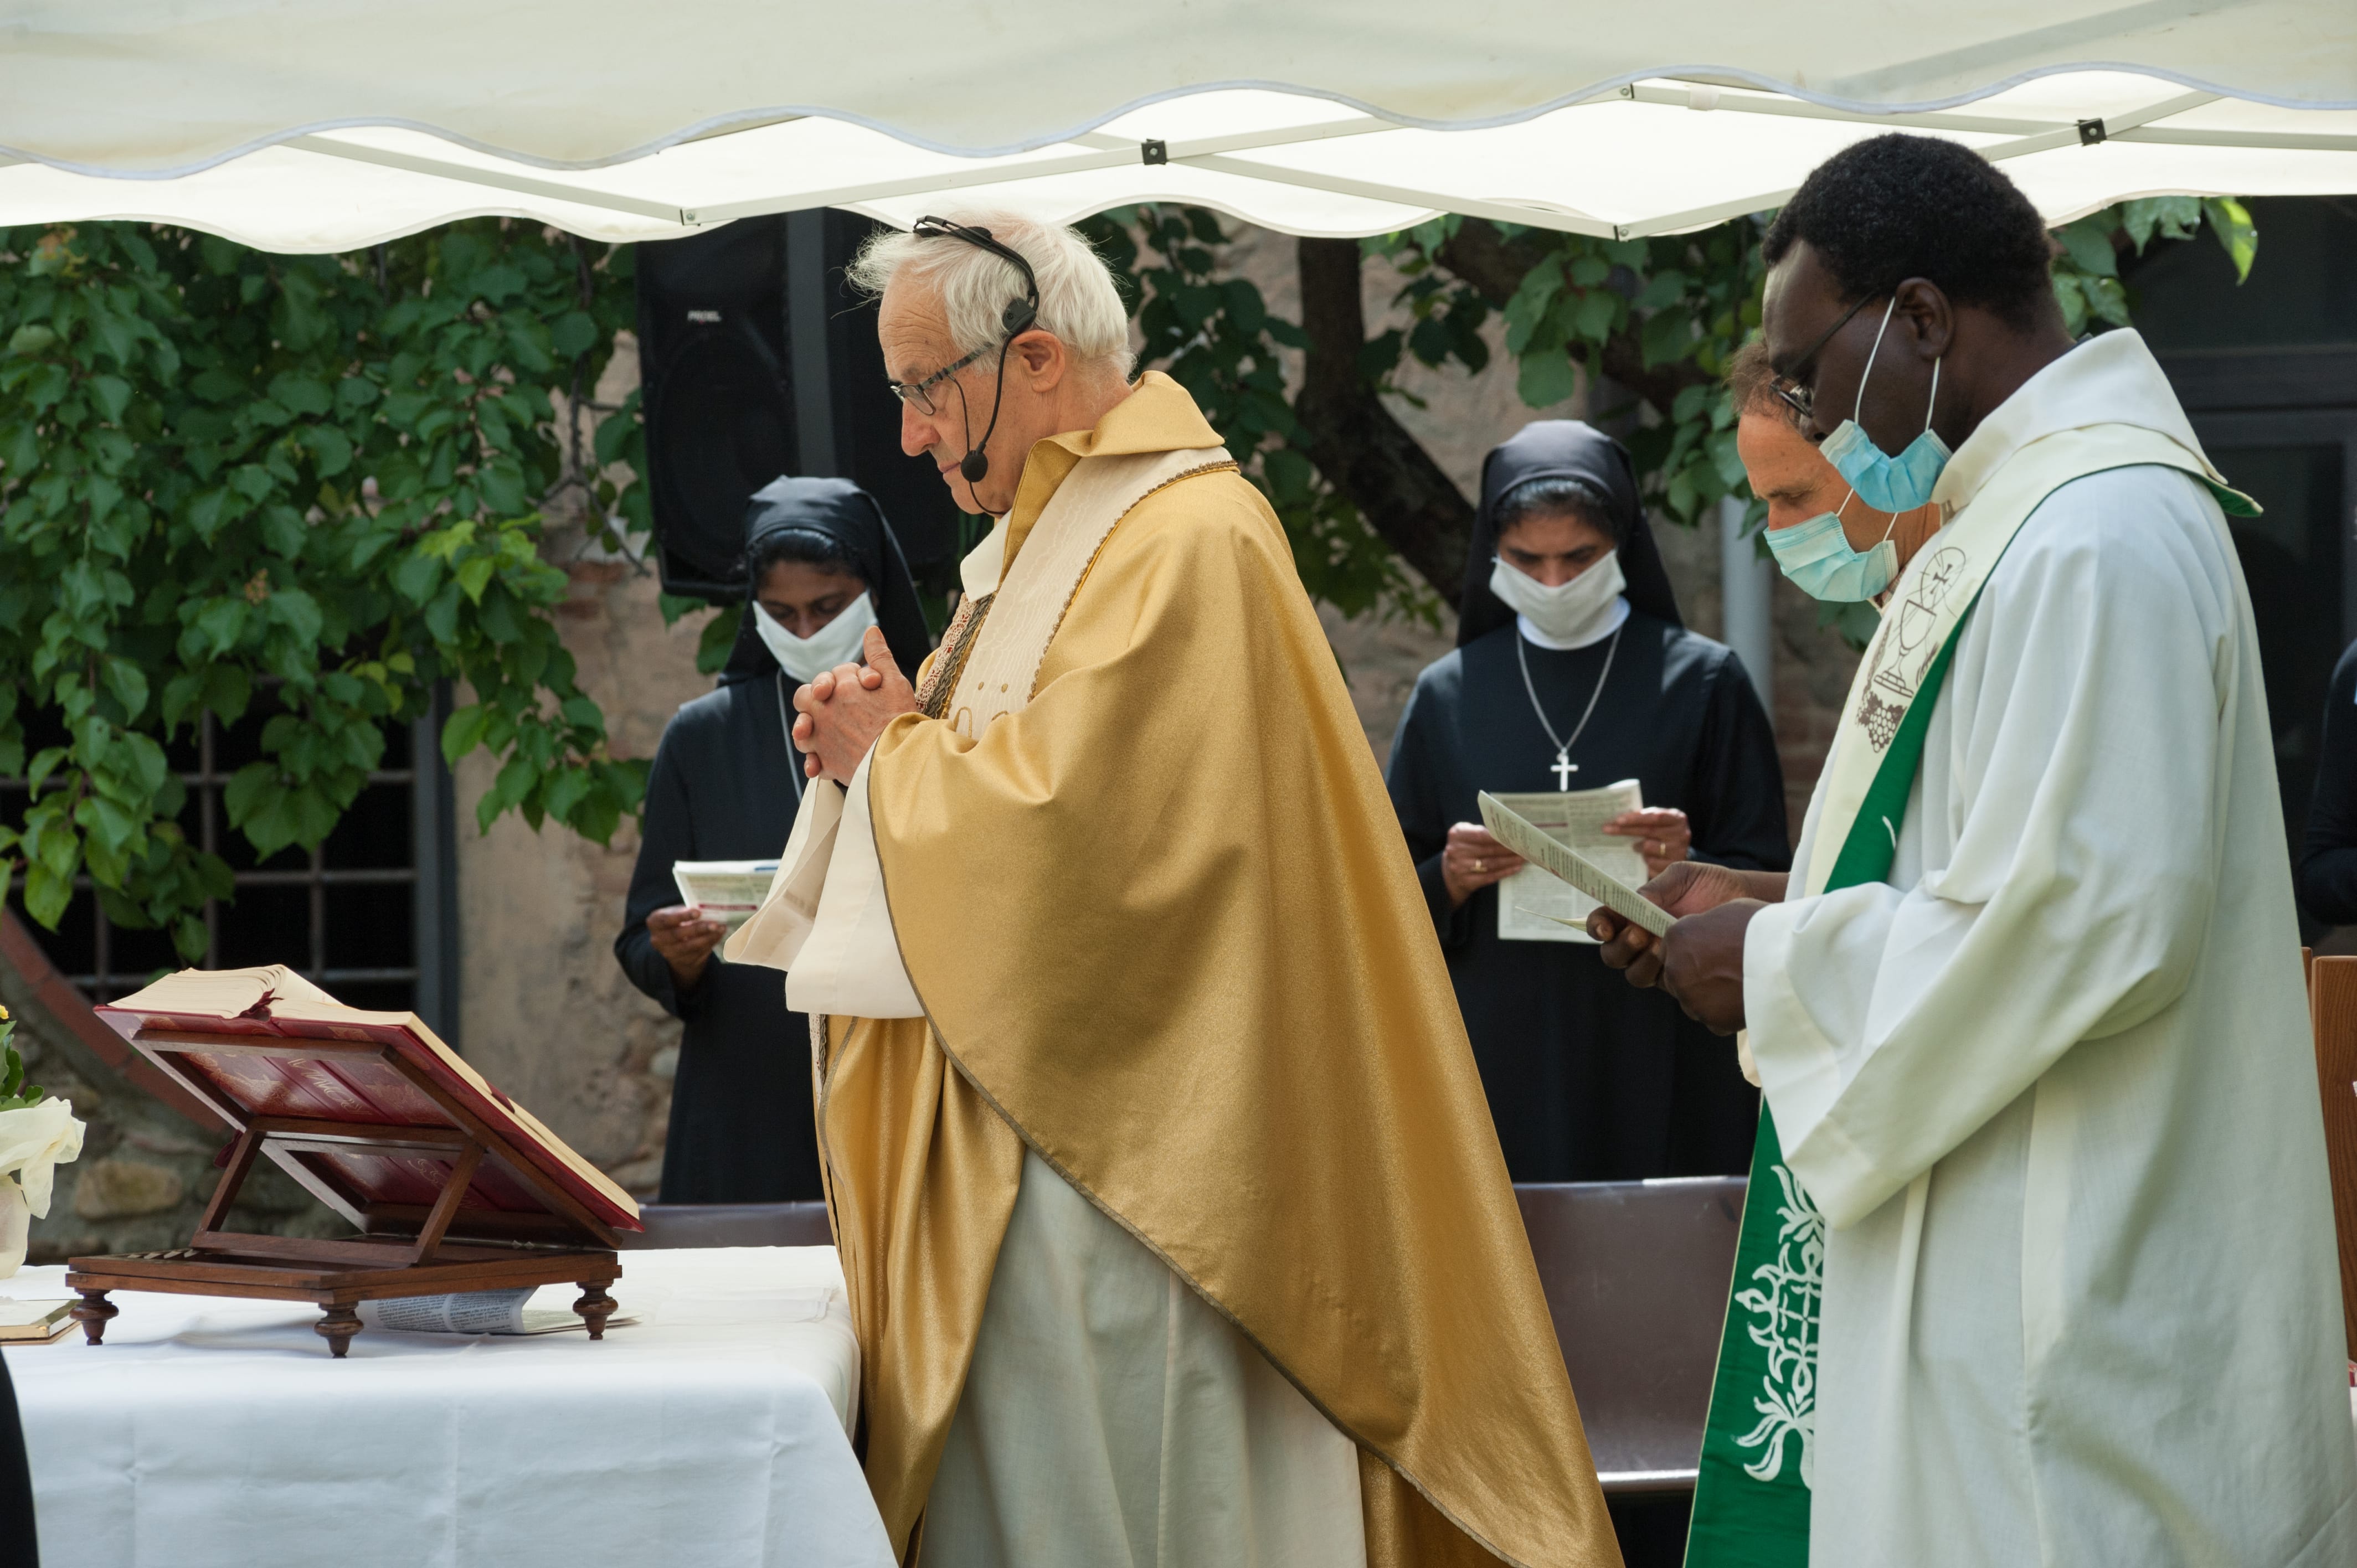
[1606,625]
[2110,380]
[979,572]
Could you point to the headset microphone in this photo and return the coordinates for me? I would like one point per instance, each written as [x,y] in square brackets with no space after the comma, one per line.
[1018,317]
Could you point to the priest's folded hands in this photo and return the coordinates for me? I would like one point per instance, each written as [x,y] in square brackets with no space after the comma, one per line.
[1700,962]
[845,709]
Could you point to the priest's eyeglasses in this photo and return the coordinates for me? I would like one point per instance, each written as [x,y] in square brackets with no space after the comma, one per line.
[921,393]
[1797,386]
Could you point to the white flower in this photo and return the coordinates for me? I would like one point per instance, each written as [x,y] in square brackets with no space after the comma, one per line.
[34,1142]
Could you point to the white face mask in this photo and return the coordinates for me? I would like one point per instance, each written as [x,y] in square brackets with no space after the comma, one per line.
[836,642]
[1569,612]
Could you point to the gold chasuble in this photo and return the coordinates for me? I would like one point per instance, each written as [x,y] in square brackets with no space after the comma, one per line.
[1163,930]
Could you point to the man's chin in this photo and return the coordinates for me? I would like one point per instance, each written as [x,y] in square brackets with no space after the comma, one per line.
[960,491]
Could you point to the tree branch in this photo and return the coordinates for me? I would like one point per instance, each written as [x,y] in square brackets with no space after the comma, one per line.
[1364,452]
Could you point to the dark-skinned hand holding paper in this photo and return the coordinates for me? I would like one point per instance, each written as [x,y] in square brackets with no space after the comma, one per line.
[1700,962]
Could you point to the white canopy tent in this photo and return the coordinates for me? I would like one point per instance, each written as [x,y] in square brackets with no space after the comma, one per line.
[324,126]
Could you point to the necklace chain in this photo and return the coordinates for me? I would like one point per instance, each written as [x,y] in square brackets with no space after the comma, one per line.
[1563,747]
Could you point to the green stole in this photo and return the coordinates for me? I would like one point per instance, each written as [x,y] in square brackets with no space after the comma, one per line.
[1753,1489]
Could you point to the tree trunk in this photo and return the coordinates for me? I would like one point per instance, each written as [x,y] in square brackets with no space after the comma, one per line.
[1362,451]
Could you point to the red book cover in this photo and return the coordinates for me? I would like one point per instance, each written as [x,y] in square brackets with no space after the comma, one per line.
[276,1002]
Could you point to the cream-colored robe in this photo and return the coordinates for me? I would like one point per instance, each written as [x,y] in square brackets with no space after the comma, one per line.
[1111,1419]
[2051,1085]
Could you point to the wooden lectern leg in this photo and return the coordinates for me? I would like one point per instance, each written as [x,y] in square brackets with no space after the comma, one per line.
[595,1306]
[92,1312]
[338,1327]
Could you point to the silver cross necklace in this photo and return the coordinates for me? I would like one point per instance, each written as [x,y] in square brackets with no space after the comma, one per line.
[1564,766]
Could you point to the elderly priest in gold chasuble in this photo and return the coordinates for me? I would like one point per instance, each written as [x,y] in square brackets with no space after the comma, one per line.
[1176,1229]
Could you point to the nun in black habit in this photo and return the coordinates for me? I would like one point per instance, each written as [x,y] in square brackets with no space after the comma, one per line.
[823,566]
[1596,680]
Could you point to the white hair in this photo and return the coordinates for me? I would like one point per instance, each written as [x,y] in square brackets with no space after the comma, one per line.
[1078,300]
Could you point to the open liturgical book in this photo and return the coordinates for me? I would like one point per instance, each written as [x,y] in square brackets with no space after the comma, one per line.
[451,1185]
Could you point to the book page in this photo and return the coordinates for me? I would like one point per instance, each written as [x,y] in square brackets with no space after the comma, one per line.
[725,890]
[1531,903]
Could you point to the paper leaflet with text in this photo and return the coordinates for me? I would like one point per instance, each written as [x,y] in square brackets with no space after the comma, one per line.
[1536,905]
[725,890]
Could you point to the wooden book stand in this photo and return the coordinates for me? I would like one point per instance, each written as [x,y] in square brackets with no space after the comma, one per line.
[451,1186]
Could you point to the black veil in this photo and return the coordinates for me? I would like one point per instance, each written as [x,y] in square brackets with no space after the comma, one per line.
[1563,449]
[842,513]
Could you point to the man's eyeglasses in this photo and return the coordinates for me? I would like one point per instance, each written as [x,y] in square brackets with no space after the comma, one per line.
[921,393]
[1020,317]
[1797,386]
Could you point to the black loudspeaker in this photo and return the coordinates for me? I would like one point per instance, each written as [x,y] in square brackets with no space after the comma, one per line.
[757,361]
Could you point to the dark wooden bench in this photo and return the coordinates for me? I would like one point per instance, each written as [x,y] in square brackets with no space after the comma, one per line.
[731,1225]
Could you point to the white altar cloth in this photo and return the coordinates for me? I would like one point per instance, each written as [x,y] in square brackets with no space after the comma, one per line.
[712,1434]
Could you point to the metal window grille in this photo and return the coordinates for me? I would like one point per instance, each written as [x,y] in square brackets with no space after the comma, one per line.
[369,913]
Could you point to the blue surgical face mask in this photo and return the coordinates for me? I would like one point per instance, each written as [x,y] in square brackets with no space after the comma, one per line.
[1817,556]
[1881,481]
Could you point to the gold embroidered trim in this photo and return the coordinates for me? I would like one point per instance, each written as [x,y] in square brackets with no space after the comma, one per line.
[957,643]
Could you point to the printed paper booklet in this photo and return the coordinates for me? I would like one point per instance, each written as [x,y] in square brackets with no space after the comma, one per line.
[725,890]
[1574,864]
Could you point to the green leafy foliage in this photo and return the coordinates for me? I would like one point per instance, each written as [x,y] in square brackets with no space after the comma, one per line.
[1662,317]
[308,486]
[2087,272]
[15,1094]
[1214,336]
[1656,319]
[720,633]
[1674,308]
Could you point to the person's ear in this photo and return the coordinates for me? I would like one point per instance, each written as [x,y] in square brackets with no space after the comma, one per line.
[1930,320]
[1042,357]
